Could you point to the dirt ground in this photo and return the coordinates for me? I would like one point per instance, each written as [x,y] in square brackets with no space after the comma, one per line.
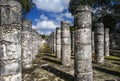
[46,67]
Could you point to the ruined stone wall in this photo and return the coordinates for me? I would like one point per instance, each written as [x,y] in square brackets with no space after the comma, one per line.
[10,40]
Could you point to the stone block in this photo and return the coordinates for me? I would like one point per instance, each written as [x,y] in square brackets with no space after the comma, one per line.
[10,51]
[10,67]
[15,77]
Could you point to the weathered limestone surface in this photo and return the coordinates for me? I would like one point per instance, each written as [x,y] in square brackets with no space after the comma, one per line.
[50,41]
[65,44]
[54,42]
[26,44]
[93,44]
[10,40]
[114,41]
[72,42]
[36,42]
[115,44]
[83,48]
[58,42]
[99,43]
[106,42]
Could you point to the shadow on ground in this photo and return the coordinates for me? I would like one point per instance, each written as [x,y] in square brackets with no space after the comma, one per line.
[106,71]
[116,63]
[53,61]
[50,55]
[63,75]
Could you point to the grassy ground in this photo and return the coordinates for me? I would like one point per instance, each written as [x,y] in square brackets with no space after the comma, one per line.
[46,67]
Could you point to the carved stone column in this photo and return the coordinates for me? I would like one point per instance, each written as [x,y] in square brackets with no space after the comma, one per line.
[106,42]
[72,42]
[99,43]
[26,44]
[50,42]
[10,41]
[65,44]
[34,43]
[58,43]
[93,44]
[83,50]
[54,41]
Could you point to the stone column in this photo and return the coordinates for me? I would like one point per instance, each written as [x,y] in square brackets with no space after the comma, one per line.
[72,42]
[82,41]
[35,44]
[99,43]
[10,41]
[112,42]
[65,44]
[58,42]
[50,42]
[54,42]
[26,45]
[93,44]
[106,42]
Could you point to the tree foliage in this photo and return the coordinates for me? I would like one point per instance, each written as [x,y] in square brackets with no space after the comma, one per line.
[104,4]
[106,11]
[74,3]
[26,6]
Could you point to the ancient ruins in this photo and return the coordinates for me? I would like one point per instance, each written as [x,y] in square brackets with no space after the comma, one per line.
[90,52]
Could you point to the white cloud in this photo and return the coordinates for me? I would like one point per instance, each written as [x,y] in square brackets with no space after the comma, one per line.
[61,17]
[51,5]
[67,15]
[44,32]
[43,17]
[44,25]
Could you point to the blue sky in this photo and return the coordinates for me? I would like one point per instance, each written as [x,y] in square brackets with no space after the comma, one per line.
[47,15]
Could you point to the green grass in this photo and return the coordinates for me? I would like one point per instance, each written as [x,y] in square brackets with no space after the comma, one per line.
[112,57]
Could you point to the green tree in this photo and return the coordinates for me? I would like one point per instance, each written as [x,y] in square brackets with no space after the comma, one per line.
[74,3]
[26,6]
[105,4]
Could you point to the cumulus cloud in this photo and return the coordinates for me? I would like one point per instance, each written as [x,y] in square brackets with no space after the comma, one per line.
[44,32]
[51,5]
[56,9]
[43,17]
[67,15]
[44,25]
